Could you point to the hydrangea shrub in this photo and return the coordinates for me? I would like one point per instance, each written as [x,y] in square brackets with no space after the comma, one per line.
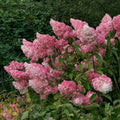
[69,64]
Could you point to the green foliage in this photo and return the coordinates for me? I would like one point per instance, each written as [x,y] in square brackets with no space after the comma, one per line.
[112,66]
[86,10]
[67,111]
[20,20]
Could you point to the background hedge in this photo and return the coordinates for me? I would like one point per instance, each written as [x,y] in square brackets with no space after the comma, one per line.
[23,18]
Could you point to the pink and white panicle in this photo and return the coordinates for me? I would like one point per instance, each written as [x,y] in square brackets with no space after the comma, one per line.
[14,65]
[41,77]
[16,70]
[41,47]
[105,26]
[86,34]
[102,84]
[77,101]
[78,26]
[116,24]
[62,30]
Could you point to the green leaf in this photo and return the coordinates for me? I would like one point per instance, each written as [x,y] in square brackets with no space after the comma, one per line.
[116,102]
[94,105]
[56,96]
[61,60]
[115,52]
[24,115]
[90,65]
[119,80]
[71,58]
[108,42]
[110,72]
[71,114]
[71,76]
[77,48]
[66,111]
[37,115]
[83,90]
[81,66]
[93,97]
[108,97]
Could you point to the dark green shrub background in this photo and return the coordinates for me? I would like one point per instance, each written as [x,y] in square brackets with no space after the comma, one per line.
[22,19]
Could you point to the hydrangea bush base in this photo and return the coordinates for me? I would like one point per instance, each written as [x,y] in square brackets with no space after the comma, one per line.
[79,66]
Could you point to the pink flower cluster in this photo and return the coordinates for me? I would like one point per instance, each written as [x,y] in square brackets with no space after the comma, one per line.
[61,44]
[86,34]
[100,83]
[41,47]
[116,25]
[34,75]
[105,26]
[62,30]
[103,29]
[90,38]
[16,70]
[69,88]
[14,65]
[40,78]
[78,26]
